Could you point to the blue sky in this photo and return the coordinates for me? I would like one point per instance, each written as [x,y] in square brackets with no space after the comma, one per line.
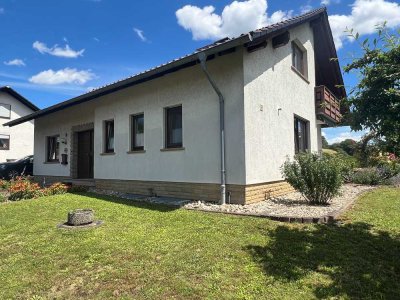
[54,50]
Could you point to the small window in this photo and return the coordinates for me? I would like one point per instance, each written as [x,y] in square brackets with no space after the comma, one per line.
[53,148]
[299,59]
[300,135]
[5,111]
[137,131]
[109,136]
[173,127]
[4,142]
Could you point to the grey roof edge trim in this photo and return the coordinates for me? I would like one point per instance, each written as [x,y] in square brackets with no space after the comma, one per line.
[213,48]
[9,90]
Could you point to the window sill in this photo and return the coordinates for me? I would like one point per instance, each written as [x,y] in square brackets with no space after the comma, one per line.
[107,153]
[136,151]
[51,162]
[172,149]
[301,75]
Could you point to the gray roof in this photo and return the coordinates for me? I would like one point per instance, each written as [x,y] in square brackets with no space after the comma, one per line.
[182,62]
[19,97]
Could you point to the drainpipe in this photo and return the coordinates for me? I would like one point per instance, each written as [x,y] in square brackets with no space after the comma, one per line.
[202,57]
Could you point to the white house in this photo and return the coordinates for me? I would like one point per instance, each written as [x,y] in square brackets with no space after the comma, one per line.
[15,142]
[213,125]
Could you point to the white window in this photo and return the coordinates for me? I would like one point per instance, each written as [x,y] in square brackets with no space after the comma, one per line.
[5,111]
[4,142]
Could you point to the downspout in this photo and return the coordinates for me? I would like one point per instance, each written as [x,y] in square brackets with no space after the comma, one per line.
[202,57]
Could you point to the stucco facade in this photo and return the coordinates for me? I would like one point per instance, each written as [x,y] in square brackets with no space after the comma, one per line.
[262,95]
[21,136]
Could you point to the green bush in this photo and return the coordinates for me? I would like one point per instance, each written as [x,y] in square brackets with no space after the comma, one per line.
[376,175]
[368,176]
[346,164]
[317,178]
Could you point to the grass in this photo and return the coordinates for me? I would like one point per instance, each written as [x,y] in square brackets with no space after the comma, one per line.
[154,252]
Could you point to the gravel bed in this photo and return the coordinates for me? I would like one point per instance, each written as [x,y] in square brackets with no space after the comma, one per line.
[290,205]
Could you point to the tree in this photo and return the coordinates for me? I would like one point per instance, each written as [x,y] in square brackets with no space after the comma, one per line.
[375,101]
[325,144]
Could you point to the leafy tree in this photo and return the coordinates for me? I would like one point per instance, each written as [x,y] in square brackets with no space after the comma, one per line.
[375,101]
[349,146]
[325,144]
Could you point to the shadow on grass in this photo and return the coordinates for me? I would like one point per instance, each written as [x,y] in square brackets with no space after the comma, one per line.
[129,202]
[352,261]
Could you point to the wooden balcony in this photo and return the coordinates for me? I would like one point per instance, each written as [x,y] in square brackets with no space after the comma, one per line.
[327,106]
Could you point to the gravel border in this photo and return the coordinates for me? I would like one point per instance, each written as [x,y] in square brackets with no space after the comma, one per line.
[289,208]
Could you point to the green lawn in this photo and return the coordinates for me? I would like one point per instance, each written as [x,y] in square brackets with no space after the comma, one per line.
[154,252]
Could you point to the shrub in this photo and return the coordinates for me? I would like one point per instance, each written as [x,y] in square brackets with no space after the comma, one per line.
[368,176]
[317,178]
[4,184]
[22,188]
[56,189]
[346,164]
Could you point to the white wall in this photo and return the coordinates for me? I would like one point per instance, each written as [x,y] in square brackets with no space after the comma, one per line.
[21,136]
[58,123]
[270,84]
[198,162]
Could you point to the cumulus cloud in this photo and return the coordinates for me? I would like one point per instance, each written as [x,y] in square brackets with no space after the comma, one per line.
[57,51]
[325,2]
[15,62]
[67,75]
[140,34]
[365,15]
[236,18]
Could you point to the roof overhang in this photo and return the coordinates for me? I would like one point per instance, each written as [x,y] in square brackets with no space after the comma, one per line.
[218,48]
[19,97]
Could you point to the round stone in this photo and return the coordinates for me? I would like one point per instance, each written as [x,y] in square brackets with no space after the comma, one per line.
[80,217]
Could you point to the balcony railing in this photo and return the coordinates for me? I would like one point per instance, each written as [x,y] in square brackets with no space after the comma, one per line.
[327,105]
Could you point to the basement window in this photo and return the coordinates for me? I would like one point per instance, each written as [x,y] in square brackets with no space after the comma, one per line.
[53,148]
[4,142]
[173,127]
[109,136]
[301,134]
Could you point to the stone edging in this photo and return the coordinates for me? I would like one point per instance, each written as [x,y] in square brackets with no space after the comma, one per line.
[327,219]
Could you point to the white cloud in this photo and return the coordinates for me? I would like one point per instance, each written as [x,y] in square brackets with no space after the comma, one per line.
[140,34]
[236,18]
[356,136]
[305,8]
[15,62]
[57,51]
[67,75]
[365,15]
[325,2]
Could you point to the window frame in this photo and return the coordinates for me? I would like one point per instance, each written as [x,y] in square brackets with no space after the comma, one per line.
[57,153]
[133,118]
[9,141]
[167,143]
[106,136]
[296,45]
[306,135]
[9,114]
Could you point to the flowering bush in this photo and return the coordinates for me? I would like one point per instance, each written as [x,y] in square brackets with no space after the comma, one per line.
[57,188]
[22,188]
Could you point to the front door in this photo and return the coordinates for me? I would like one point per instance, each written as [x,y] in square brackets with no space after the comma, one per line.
[85,154]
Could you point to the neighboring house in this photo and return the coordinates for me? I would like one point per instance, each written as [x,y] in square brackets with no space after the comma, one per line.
[15,142]
[159,132]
